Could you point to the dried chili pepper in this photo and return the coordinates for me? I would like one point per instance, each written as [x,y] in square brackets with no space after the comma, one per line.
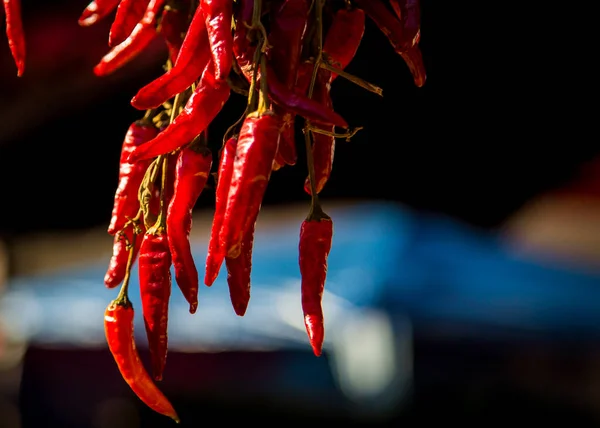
[97,10]
[192,61]
[117,267]
[200,110]
[15,34]
[343,37]
[243,48]
[143,34]
[216,249]
[129,13]
[239,271]
[126,204]
[409,13]
[255,152]
[315,243]
[118,328]
[193,168]
[218,15]
[173,27]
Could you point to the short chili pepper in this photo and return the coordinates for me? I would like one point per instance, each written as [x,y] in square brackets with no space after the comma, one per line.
[314,247]
[218,15]
[193,168]
[286,153]
[194,56]
[97,10]
[238,273]
[344,36]
[154,266]
[143,34]
[126,203]
[129,13]
[255,152]
[203,106]
[117,267]
[15,34]
[118,328]
[173,26]
[216,249]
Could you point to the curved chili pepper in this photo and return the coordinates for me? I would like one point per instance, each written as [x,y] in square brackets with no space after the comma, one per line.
[15,34]
[143,34]
[218,15]
[173,26]
[414,60]
[344,36]
[117,267]
[255,152]
[216,248]
[126,203]
[193,168]
[203,106]
[239,272]
[315,244]
[129,13]
[118,328]
[193,59]
[154,268]
[97,10]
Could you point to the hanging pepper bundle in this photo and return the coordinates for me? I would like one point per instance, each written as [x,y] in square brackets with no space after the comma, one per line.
[284,55]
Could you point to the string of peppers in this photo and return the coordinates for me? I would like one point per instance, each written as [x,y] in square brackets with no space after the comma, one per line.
[283,55]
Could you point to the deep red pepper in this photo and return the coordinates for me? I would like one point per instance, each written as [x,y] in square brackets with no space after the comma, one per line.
[409,13]
[15,34]
[414,60]
[117,267]
[216,249]
[286,153]
[218,15]
[173,27]
[143,34]
[200,110]
[129,13]
[194,56]
[238,273]
[314,247]
[193,168]
[126,204]
[97,10]
[243,49]
[344,36]
[255,152]
[118,328]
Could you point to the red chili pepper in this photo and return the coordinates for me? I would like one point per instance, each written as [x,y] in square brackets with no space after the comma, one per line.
[286,153]
[243,51]
[143,34]
[218,15]
[409,13]
[129,13]
[117,267]
[414,60]
[216,248]
[194,57]
[118,328]
[315,244]
[193,168]
[239,272]
[255,152]
[200,110]
[173,27]
[344,36]
[15,34]
[155,288]
[126,204]
[97,10]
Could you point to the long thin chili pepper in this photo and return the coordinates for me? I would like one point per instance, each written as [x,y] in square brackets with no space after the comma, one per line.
[15,34]
[216,249]
[344,36]
[173,27]
[122,246]
[255,152]
[143,34]
[126,204]
[200,110]
[238,273]
[193,168]
[97,10]
[118,328]
[218,15]
[129,13]
[193,59]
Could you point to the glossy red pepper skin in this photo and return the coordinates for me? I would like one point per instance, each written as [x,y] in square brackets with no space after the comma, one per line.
[255,152]
[15,34]
[154,266]
[314,247]
[173,26]
[118,328]
[126,203]
[97,10]
[193,169]
[129,13]
[194,56]
[216,248]
[117,267]
[238,273]
[143,34]
[218,15]
[203,106]
[343,37]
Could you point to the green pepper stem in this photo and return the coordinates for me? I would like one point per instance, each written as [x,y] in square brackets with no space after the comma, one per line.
[263,99]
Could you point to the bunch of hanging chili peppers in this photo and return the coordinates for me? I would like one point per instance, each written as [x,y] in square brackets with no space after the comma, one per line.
[283,55]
